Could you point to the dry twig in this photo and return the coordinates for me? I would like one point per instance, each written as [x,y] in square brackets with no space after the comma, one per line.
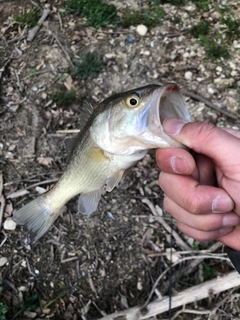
[209,104]
[2,200]
[196,293]
[188,268]
[33,32]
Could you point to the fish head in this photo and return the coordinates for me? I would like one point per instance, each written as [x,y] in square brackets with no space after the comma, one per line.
[132,121]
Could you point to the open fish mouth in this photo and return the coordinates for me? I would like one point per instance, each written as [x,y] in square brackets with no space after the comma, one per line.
[166,102]
[170,104]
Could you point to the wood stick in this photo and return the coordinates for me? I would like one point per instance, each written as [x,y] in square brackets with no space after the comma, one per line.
[185,270]
[33,32]
[209,104]
[2,200]
[70,131]
[196,293]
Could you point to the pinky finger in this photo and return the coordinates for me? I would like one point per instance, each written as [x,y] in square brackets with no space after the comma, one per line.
[203,235]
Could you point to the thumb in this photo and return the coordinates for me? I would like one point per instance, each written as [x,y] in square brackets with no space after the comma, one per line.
[205,138]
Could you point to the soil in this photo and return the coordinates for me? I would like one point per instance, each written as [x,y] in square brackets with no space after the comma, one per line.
[89,266]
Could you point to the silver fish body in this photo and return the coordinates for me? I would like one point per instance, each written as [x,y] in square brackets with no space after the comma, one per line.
[117,134]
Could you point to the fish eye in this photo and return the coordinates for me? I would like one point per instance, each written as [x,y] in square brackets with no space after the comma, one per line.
[133,101]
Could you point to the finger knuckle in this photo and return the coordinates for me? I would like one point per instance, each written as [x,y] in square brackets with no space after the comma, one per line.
[204,130]
[193,204]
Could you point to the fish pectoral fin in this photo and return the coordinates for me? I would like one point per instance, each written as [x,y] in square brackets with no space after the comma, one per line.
[88,202]
[114,180]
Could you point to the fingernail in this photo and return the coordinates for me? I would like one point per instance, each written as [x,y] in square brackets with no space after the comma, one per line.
[230,220]
[222,204]
[173,126]
[179,165]
[225,231]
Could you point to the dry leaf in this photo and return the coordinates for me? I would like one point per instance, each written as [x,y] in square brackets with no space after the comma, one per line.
[46,161]
[41,64]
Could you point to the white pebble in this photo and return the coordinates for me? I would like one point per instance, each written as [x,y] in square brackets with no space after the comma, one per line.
[212,90]
[236,44]
[216,15]
[141,29]
[110,55]
[3,261]
[9,224]
[145,52]
[219,69]
[188,75]
[40,190]
[171,255]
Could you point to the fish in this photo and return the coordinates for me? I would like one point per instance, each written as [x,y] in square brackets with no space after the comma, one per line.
[114,136]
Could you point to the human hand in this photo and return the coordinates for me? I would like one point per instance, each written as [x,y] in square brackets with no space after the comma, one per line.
[203,190]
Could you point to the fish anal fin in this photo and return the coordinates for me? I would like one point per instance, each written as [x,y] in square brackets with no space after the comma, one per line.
[88,202]
[114,180]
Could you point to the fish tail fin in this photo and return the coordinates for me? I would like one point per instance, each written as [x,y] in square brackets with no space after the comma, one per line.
[37,216]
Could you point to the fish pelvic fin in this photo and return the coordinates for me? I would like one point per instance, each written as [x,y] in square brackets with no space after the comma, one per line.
[88,202]
[37,216]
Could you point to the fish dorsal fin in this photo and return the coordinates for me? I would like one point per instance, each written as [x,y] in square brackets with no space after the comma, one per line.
[88,202]
[85,114]
[114,180]
[70,144]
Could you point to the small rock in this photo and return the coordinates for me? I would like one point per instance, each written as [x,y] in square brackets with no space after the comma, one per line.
[46,161]
[46,310]
[130,40]
[22,288]
[145,52]
[188,75]
[11,147]
[110,55]
[212,90]
[30,315]
[224,82]
[236,44]
[3,261]
[9,224]
[44,95]
[219,69]
[190,8]
[234,73]
[24,264]
[8,155]
[171,255]
[216,15]
[40,190]
[36,271]
[141,29]
[232,65]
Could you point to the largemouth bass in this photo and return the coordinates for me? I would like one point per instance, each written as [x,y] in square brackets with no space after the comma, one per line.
[116,134]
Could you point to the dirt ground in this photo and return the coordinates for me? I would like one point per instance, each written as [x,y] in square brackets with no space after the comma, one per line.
[88,267]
